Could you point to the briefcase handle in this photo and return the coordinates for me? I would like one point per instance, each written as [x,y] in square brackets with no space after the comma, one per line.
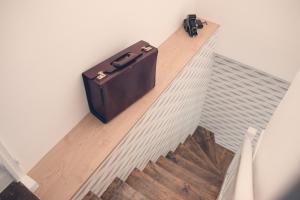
[125,60]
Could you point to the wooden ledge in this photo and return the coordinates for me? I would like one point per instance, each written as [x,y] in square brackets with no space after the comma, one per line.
[65,168]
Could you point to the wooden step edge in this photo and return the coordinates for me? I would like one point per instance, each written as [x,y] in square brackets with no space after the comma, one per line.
[91,196]
[183,151]
[206,140]
[169,165]
[126,192]
[195,169]
[177,185]
[158,192]
[193,146]
[204,187]
[112,189]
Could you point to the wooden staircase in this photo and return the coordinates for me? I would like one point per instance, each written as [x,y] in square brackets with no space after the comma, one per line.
[194,171]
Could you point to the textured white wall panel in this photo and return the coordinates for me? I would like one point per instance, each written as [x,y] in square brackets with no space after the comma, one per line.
[171,118]
[5,178]
[239,97]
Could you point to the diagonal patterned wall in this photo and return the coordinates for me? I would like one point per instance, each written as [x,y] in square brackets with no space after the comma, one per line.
[172,117]
[239,96]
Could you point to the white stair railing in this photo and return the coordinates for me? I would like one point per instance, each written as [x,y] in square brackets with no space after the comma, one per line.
[244,180]
[238,183]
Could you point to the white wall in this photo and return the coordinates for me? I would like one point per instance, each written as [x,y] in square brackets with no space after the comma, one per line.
[46,45]
[277,162]
[264,34]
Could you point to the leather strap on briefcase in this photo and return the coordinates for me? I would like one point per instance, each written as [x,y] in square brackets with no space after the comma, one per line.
[123,61]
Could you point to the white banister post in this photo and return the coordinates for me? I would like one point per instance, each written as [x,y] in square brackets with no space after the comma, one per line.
[262,133]
[15,170]
[244,182]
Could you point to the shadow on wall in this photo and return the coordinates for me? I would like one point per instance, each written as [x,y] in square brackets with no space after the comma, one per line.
[293,193]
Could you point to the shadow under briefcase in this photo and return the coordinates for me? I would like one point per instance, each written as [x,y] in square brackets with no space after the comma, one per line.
[119,81]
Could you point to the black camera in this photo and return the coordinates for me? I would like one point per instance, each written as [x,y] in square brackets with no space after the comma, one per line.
[191,24]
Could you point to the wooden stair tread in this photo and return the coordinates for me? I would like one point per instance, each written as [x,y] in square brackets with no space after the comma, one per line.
[208,190]
[91,196]
[193,146]
[119,190]
[112,188]
[149,187]
[195,169]
[206,140]
[128,193]
[224,158]
[178,186]
[188,154]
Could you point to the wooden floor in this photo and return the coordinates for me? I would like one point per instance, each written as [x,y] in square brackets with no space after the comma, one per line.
[194,171]
[18,191]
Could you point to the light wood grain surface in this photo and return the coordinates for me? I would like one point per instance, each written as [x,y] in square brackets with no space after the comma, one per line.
[62,171]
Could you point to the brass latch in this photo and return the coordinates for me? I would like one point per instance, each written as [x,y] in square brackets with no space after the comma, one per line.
[146,49]
[101,75]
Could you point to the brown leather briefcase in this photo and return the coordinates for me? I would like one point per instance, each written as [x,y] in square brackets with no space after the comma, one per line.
[119,81]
